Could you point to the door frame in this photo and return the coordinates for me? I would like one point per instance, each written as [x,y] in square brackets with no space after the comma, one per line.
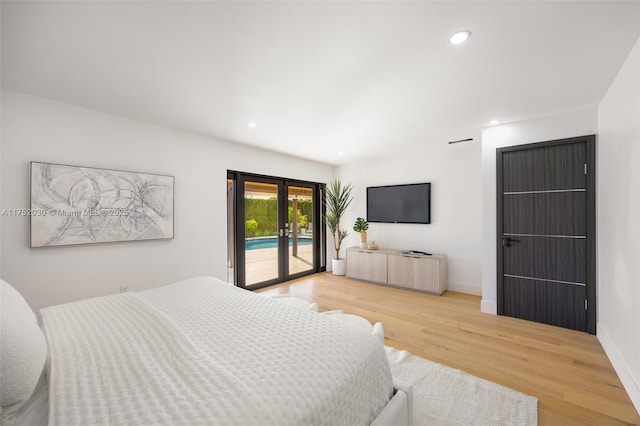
[590,146]
[319,240]
[317,225]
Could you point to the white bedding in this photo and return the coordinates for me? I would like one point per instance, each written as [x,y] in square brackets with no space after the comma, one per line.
[204,352]
[35,412]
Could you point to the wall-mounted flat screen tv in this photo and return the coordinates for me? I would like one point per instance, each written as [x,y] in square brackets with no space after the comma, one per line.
[399,203]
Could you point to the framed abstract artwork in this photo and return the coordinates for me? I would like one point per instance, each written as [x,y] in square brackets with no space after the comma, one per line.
[81,205]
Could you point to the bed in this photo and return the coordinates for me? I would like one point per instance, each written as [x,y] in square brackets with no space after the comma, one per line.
[204,352]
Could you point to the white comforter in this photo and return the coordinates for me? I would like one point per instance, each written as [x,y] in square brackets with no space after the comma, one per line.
[204,352]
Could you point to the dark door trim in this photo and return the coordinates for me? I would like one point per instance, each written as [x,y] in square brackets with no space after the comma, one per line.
[239,179]
[590,143]
[240,233]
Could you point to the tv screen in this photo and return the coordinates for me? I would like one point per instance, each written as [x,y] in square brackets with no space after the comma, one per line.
[399,203]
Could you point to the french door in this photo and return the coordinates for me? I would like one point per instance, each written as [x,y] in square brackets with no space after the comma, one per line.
[275,229]
[546,232]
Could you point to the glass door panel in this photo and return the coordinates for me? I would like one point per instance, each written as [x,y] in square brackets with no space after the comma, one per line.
[262,231]
[231,236]
[301,247]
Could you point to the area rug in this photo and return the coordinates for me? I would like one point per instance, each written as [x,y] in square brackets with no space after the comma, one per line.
[444,396]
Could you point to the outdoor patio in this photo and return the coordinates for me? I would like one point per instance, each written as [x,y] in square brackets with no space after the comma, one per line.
[262,264]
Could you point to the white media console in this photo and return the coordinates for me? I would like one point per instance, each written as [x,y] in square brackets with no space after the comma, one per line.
[393,267]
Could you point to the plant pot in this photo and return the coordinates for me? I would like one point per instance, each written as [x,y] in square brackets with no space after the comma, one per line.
[363,239]
[338,266]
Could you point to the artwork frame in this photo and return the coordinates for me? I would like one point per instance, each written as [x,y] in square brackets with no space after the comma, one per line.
[78,205]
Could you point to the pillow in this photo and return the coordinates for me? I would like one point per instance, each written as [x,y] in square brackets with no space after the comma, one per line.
[23,351]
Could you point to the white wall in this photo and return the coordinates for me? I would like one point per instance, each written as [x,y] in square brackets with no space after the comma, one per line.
[36,129]
[455,229]
[578,123]
[618,224]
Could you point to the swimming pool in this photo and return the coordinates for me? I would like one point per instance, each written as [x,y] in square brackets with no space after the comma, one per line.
[272,242]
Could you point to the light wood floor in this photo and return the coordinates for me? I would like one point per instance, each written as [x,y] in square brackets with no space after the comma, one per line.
[566,370]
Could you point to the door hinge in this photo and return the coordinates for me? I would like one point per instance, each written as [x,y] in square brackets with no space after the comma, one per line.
[585,304]
[585,168]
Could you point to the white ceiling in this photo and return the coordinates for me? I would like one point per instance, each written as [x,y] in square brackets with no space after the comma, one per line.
[364,78]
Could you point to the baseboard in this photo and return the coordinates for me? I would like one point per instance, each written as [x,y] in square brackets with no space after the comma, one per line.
[620,366]
[489,307]
[465,288]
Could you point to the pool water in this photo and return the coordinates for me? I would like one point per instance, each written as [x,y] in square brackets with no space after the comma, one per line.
[272,242]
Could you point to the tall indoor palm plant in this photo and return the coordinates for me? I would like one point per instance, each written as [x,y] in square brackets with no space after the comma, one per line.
[337,199]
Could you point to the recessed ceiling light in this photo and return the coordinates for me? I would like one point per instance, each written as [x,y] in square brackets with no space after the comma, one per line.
[459,37]
[252,124]
[494,122]
[340,153]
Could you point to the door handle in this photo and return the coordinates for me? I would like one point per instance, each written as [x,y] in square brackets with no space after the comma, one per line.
[283,232]
[506,241]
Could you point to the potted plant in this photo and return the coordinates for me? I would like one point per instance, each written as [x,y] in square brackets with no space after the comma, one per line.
[361,226]
[337,199]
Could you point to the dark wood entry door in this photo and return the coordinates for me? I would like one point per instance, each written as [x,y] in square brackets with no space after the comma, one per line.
[546,232]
